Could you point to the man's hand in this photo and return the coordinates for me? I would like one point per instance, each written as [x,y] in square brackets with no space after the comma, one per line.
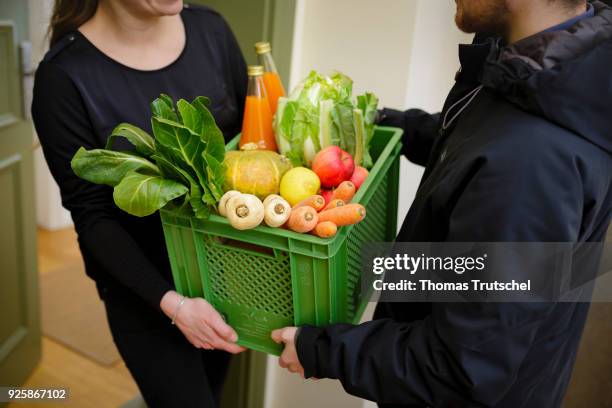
[289,358]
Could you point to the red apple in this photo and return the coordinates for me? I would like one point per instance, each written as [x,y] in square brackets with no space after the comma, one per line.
[333,166]
[359,176]
[327,195]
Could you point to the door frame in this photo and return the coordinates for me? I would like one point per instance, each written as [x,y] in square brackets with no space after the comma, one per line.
[20,347]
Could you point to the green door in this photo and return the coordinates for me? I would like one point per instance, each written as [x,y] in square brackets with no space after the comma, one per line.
[252,21]
[260,20]
[19,314]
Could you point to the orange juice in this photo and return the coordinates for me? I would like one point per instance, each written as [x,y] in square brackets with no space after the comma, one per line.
[257,124]
[272,81]
[274,89]
[257,121]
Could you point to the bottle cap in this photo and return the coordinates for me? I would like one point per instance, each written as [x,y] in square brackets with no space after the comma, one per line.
[262,47]
[255,70]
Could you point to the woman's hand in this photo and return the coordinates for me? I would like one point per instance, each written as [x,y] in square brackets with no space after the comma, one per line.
[201,324]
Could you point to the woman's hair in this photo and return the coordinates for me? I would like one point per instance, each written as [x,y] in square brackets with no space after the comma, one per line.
[68,15]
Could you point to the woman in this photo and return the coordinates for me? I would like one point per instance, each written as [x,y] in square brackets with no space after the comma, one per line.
[108,60]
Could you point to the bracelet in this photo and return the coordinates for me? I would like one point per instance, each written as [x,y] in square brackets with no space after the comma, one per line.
[178,307]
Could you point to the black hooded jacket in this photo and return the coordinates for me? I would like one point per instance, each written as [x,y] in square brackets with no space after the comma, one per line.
[522,153]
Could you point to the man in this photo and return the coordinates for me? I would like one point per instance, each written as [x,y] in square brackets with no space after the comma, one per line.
[520,153]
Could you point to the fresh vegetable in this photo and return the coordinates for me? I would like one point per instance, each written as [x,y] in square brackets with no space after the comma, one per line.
[325,229]
[333,166]
[224,199]
[344,192]
[321,112]
[276,211]
[334,203]
[298,184]
[157,191]
[326,194]
[359,176]
[303,219]
[315,201]
[346,215]
[253,171]
[245,211]
[185,159]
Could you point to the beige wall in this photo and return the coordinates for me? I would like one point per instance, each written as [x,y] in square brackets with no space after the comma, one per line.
[405,51]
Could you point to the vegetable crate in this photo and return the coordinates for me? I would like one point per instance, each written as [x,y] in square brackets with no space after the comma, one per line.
[267,278]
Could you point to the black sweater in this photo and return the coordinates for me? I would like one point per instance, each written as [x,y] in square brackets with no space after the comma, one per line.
[81,94]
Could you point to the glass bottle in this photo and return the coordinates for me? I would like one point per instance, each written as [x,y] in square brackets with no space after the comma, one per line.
[257,121]
[272,81]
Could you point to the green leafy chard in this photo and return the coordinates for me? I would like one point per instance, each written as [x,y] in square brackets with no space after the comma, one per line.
[108,167]
[183,159]
[142,195]
[142,141]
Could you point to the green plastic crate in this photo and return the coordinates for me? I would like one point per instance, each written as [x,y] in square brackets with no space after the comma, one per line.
[266,278]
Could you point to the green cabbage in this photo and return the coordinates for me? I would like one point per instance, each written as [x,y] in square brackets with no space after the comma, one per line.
[321,112]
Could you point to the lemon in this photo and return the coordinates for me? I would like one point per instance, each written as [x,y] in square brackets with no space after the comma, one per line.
[298,184]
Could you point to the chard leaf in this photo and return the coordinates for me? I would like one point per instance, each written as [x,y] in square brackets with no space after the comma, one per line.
[200,124]
[142,141]
[194,196]
[216,176]
[210,130]
[109,167]
[176,124]
[192,118]
[182,148]
[142,195]
[163,107]
[214,153]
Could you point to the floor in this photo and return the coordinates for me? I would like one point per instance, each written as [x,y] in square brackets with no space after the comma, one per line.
[91,384]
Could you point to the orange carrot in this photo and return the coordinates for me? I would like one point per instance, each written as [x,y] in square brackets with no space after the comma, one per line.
[346,215]
[345,191]
[334,203]
[325,229]
[315,201]
[303,219]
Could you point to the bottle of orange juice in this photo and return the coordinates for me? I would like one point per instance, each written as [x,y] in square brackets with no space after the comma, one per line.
[257,122]
[274,87]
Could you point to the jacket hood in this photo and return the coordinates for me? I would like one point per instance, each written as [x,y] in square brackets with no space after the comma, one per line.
[564,76]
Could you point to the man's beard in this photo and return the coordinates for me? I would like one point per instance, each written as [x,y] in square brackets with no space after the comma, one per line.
[482,16]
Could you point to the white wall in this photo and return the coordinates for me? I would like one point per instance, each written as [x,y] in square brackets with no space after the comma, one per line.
[405,51]
[49,211]
[434,60]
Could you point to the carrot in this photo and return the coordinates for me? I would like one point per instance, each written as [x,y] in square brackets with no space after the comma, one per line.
[303,219]
[345,191]
[334,203]
[346,215]
[325,229]
[315,201]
